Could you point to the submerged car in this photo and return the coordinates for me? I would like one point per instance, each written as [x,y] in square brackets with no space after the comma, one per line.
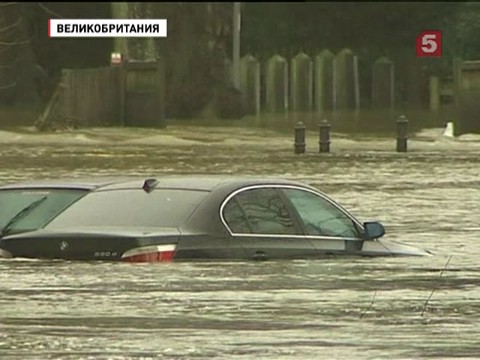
[183,218]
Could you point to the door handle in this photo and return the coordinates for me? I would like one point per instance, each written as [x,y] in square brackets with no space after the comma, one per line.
[260,256]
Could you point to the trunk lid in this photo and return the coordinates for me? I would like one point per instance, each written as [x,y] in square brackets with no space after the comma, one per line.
[105,243]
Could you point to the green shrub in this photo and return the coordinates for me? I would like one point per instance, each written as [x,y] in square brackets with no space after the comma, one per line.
[187,99]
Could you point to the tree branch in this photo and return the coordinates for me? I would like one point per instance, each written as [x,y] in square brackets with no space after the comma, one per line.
[9,86]
[51,12]
[433,290]
[11,26]
[22,42]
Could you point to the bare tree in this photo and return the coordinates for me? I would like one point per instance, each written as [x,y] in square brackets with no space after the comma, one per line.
[18,69]
[195,50]
[134,48]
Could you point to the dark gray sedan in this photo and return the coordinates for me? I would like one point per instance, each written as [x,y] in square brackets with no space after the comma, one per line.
[189,217]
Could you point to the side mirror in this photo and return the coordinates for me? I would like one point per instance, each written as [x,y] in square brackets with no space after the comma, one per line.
[373,230]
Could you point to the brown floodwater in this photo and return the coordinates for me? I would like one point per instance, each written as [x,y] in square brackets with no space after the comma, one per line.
[335,308]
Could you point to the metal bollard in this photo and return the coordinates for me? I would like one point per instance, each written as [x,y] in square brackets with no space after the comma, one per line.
[402,134]
[300,138]
[324,136]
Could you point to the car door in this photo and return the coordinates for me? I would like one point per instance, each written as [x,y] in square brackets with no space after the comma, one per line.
[259,220]
[329,227]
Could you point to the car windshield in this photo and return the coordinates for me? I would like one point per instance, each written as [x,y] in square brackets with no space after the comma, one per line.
[131,208]
[48,203]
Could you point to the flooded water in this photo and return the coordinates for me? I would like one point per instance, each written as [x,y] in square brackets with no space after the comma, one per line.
[336,308]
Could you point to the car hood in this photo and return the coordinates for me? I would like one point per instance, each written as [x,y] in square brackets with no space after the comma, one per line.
[390,247]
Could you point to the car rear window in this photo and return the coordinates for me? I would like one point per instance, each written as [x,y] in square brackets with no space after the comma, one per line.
[131,208]
[51,202]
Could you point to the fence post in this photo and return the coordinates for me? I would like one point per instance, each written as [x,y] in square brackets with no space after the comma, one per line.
[324,136]
[301,83]
[402,133]
[276,84]
[300,138]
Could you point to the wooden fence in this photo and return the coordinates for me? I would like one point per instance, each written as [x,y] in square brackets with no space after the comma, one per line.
[131,95]
[467,88]
[329,81]
[92,97]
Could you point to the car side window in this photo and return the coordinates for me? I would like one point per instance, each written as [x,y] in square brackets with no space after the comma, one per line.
[235,218]
[320,216]
[264,211]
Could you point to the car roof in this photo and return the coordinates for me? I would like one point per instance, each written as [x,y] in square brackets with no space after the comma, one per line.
[199,182]
[67,183]
[187,182]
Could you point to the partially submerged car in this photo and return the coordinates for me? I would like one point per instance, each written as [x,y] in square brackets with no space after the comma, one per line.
[183,218]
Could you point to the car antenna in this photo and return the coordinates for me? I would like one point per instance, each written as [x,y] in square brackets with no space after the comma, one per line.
[149,185]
